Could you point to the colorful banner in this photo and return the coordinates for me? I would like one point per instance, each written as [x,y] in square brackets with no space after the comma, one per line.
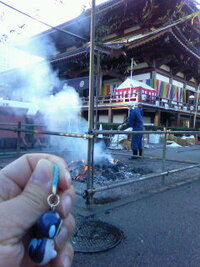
[109,88]
[164,90]
[167,90]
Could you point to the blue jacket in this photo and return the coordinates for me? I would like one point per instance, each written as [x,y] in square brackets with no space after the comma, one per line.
[135,119]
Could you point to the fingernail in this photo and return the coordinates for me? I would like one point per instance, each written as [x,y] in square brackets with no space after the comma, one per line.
[61,238]
[67,204]
[68,179]
[42,172]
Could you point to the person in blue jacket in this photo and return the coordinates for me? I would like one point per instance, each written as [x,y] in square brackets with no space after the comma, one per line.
[135,120]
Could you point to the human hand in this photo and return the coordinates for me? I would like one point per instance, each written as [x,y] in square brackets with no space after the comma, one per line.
[24,187]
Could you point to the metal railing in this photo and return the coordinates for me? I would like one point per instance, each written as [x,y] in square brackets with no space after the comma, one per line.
[145,100]
[163,174]
[19,128]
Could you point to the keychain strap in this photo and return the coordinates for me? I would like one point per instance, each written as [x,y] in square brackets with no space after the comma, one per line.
[54,199]
[56,176]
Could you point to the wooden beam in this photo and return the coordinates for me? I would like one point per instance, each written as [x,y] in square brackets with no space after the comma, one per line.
[74,74]
[179,68]
[142,71]
[110,115]
[157,118]
[148,59]
[113,74]
[164,60]
[188,76]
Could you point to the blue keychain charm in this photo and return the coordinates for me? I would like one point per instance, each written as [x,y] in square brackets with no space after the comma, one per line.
[41,248]
[42,251]
[49,224]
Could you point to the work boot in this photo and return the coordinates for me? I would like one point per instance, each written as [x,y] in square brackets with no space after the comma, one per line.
[135,153]
[140,152]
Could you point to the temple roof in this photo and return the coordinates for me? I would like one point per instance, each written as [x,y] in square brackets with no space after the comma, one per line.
[120,18]
[143,29]
[166,47]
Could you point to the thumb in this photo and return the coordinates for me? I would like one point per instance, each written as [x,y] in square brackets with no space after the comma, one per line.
[20,213]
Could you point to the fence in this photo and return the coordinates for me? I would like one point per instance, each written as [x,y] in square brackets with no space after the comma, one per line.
[37,133]
[88,193]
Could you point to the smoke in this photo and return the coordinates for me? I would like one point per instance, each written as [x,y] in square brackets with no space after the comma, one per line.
[36,83]
[62,112]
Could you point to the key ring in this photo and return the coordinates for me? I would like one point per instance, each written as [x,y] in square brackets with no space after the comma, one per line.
[53,199]
[42,247]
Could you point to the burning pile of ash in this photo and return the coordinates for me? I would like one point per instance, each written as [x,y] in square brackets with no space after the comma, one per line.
[106,172]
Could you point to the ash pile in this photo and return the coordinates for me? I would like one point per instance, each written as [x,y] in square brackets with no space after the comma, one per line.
[106,171]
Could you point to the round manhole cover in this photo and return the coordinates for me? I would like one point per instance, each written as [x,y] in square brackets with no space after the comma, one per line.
[95,236]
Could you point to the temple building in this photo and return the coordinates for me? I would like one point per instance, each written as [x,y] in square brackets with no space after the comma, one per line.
[154,42]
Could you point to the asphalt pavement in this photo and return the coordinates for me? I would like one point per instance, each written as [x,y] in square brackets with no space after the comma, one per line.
[160,229]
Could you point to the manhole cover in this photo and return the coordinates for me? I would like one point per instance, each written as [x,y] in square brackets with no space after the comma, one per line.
[95,236]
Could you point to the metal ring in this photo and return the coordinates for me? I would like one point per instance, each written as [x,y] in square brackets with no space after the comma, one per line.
[53,200]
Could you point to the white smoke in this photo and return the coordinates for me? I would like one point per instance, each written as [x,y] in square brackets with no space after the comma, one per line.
[62,113]
[61,110]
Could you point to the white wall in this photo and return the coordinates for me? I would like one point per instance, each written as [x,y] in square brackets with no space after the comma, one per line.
[162,78]
[190,87]
[103,118]
[143,76]
[118,118]
[147,120]
[177,83]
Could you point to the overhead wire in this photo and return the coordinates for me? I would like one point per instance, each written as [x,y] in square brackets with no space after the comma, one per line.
[122,39]
[44,23]
[127,39]
[98,11]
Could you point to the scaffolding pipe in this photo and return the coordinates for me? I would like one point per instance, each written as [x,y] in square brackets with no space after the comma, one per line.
[18,138]
[9,123]
[164,156]
[106,187]
[85,136]
[196,106]
[90,152]
[96,132]
[98,86]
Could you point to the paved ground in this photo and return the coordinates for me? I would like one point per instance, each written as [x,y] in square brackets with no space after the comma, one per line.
[161,229]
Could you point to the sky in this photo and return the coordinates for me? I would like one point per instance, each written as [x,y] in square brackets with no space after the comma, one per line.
[19,27]
[53,12]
